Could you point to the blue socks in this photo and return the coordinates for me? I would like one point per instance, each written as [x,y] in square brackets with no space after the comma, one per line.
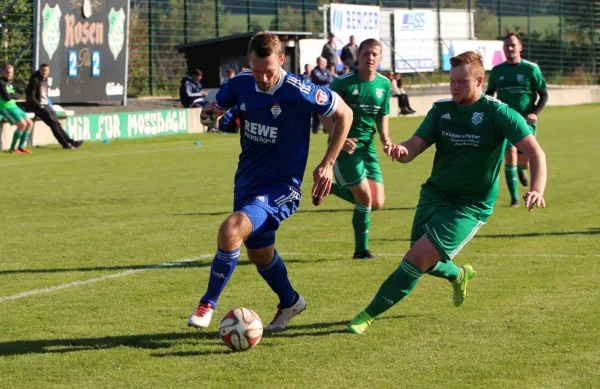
[276,276]
[221,270]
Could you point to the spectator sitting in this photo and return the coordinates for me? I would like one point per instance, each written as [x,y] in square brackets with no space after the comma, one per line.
[37,101]
[191,94]
[345,70]
[403,97]
[230,122]
[329,51]
[12,113]
[306,75]
[349,57]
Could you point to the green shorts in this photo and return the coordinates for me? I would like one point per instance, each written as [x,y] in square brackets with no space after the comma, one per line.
[448,226]
[532,127]
[351,169]
[13,115]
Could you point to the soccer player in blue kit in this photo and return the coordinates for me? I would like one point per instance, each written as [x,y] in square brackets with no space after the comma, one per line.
[275,110]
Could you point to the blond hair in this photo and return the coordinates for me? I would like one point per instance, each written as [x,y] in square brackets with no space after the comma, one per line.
[470,58]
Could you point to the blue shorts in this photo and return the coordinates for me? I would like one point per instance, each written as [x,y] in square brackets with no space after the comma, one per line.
[266,209]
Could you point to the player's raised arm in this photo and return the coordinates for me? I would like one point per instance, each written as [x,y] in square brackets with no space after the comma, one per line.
[323,174]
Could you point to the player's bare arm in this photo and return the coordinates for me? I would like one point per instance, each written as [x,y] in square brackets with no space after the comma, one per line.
[383,127]
[405,152]
[349,143]
[537,160]
[323,174]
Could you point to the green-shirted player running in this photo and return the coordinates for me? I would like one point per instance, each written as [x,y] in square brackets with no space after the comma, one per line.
[518,83]
[469,132]
[358,177]
[12,113]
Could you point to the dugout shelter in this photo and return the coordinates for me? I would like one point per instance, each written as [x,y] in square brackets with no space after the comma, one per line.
[215,56]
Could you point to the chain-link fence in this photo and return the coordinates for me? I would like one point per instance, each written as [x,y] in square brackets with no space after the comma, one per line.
[560,35]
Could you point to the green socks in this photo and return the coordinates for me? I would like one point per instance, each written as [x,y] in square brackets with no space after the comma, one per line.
[400,283]
[361,223]
[24,137]
[520,168]
[511,180]
[447,270]
[342,193]
[16,136]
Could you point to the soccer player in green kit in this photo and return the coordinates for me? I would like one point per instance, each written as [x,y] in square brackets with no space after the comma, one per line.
[518,83]
[358,177]
[469,132]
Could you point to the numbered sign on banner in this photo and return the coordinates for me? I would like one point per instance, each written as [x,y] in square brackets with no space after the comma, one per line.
[72,63]
[95,63]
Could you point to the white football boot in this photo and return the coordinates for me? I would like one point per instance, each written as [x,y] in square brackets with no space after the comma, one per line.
[284,315]
[201,316]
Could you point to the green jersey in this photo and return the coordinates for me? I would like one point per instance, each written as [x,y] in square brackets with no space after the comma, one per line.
[517,85]
[7,92]
[368,99]
[470,145]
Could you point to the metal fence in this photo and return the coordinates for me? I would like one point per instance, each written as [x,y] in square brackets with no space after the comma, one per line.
[562,36]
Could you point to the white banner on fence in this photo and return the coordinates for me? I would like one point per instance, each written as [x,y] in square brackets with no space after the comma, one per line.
[414,32]
[309,50]
[362,21]
[491,51]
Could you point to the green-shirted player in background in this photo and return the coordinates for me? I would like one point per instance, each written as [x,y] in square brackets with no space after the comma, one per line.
[518,83]
[12,113]
[358,177]
[469,132]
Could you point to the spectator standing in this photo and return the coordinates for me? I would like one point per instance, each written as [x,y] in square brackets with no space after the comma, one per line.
[322,77]
[329,51]
[348,56]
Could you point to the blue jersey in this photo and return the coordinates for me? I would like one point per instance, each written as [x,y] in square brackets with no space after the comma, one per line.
[275,128]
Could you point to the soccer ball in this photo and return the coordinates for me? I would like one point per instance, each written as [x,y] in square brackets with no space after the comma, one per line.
[208,118]
[241,329]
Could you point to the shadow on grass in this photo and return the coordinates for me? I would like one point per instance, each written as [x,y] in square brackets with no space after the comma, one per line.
[163,341]
[195,264]
[589,231]
[59,346]
[346,210]
[294,331]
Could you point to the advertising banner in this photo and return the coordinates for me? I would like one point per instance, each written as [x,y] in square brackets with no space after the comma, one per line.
[85,44]
[362,21]
[491,51]
[414,34]
[127,125]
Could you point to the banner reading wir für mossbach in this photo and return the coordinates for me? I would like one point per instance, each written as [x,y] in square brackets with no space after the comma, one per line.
[85,44]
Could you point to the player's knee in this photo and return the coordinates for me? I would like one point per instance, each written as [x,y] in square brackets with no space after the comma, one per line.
[362,195]
[233,230]
[377,203]
[261,257]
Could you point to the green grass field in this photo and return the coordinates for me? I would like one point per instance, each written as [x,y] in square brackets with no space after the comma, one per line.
[532,319]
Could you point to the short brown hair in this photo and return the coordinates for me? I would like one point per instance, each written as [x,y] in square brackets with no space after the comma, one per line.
[196,73]
[515,34]
[470,58]
[263,44]
[369,42]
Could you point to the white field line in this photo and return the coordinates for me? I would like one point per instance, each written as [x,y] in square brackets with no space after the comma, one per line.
[103,278]
[205,256]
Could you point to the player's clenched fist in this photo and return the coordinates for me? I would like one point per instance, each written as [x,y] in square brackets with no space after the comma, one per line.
[397,152]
